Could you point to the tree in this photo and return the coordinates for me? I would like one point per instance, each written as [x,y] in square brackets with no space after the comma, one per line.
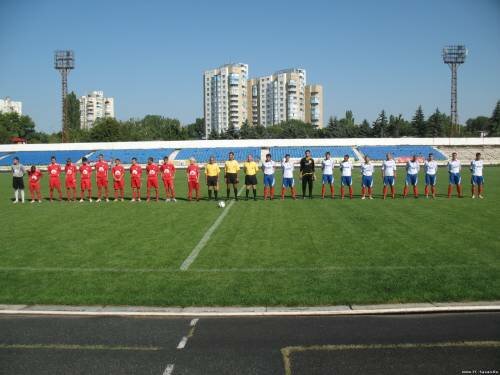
[364,130]
[495,120]
[105,130]
[418,122]
[73,108]
[435,124]
[380,125]
[14,125]
[479,124]
[196,130]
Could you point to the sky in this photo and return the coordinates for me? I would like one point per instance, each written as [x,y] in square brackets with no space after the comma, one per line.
[150,55]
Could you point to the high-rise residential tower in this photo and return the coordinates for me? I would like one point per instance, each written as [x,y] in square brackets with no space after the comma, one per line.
[94,106]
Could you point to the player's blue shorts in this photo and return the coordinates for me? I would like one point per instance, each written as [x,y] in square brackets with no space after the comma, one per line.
[411,179]
[269,180]
[477,180]
[288,182]
[328,178]
[455,179]
[346,181]
[389,180]
[430,179]
[367,181]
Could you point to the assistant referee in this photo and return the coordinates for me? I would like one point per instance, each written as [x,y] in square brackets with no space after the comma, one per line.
[212,172]
[250,168]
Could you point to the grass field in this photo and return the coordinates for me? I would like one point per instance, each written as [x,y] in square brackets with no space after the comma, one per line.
[312,252]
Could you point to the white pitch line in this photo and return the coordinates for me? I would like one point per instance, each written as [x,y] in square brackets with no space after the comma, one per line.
[206,237]
[182,343]
[169,370]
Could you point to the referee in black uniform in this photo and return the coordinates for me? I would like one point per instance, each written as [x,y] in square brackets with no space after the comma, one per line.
[307,173]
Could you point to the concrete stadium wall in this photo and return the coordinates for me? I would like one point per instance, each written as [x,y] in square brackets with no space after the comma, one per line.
[265,143]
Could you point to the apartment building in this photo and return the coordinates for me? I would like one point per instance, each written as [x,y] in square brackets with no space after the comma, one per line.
[94,106]
[7,105]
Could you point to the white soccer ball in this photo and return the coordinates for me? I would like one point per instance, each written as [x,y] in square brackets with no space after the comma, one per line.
[221,204]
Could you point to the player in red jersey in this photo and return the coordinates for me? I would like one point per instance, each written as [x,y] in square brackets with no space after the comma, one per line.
[118,173]
[35,175]
[85,179]
[167,170]
[193,177]
[152,181]
[54,171]
[135,180]
[70,180]
[102,167]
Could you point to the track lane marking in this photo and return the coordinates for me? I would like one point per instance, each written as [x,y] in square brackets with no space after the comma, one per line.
[79,347]
[169,369]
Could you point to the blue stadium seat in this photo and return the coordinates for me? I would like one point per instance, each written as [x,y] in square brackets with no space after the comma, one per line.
[43,157]
[278,153]
[221,153]
[379,152]
[125,156]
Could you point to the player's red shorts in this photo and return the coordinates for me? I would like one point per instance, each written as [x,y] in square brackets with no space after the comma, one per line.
[86,184]
[102,182]
[135,183]
[119,185]
[152,183]
[194,185]
[168,182]
[54,183]
[70,184]
[35,186]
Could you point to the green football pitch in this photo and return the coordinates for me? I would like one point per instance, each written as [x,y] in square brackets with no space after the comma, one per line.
[304,252]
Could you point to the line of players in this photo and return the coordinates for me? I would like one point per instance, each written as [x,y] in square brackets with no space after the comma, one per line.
[167,172]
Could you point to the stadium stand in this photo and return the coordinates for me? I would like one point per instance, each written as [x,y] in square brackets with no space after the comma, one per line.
[400,153]
[488,153]
[337,152]
[220,153]
[43,157]
[125,155]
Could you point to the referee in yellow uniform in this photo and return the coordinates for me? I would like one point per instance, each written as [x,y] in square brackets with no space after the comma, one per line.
[212,172]
[250,168]
[231,169]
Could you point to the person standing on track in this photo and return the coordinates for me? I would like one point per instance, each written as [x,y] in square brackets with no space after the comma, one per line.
[307,173]
[250,168]
[231,169]
[212,172]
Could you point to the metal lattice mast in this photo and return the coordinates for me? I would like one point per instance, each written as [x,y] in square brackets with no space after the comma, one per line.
[454,56]
[64,61]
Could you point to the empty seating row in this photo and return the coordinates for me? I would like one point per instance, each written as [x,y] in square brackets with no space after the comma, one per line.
[337,152]
[126,155]
[220,153]
[400,153]
[43,157]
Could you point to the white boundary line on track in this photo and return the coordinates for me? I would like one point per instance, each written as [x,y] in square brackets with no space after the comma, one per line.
[257,312]
[206,237]
[169,369]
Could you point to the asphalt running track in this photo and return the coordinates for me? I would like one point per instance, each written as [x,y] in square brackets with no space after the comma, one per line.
[445,343]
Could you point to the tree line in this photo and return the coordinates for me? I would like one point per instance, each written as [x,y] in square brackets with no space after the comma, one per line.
[155,127]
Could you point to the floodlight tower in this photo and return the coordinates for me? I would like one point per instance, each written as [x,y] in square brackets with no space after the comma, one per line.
[64,61]
[454,56]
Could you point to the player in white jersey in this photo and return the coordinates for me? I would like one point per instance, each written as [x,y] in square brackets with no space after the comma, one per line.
[268,167]
[430,167]
[327,166]
[366,178]
[288,181]
[346,176]
[476,169]
[389,175]
[454,167]
[412,169]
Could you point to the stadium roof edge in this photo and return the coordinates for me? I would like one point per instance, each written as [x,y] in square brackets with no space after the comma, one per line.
[265,143]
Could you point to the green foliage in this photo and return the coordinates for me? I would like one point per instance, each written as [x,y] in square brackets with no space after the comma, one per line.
[15,125]
[73,108]
[418,122]
[380,126]
[435,124]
